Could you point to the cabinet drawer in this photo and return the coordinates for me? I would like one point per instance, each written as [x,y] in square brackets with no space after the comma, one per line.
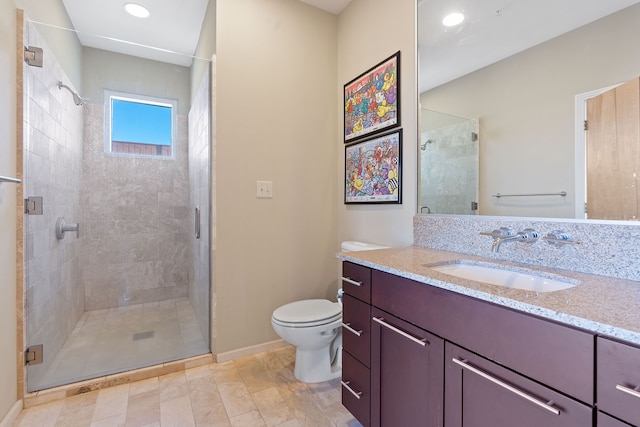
[479,392]
[356,396]
[356,324]
[356,281]
[605,420]
[554,354]
[618,373]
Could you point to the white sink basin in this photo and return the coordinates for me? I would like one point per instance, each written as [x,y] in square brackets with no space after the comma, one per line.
[528,280]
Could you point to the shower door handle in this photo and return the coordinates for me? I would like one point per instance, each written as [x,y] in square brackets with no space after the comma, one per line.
[197,222]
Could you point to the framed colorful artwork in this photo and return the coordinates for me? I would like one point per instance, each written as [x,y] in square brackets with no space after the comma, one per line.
[373,170]
[372,100]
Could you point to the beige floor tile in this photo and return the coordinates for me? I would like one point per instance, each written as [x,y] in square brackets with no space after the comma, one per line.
[248,419]
[113,421]
[272,407]
[40,416]
[173,386]
[213,395]
[176,413]
[236,398]
[111,401]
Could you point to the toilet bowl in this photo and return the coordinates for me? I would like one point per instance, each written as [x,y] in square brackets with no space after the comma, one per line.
[314,327]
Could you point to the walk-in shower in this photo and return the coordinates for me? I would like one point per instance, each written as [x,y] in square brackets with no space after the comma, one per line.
[115,277]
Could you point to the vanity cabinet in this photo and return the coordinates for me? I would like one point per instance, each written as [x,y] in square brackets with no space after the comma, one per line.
[434,357]
[618,381]
[479,392]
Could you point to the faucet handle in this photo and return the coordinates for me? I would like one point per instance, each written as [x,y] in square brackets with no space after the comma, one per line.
[529,235]
[559,237]
[500,232]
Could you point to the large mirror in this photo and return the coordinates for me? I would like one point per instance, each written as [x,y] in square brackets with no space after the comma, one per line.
[523,72]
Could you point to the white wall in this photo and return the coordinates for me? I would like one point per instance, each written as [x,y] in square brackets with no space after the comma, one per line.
[8,349]
[359,48]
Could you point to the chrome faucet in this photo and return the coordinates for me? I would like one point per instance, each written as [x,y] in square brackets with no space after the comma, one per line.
[503,234]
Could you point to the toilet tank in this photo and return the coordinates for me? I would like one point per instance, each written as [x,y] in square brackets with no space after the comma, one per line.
[352,245]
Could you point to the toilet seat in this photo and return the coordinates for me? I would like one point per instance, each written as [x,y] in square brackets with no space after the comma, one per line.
[307,313]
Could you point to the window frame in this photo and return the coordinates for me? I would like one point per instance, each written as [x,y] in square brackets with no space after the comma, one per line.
[109,95]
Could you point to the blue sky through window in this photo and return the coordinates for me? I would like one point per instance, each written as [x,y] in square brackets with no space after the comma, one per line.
[139,122]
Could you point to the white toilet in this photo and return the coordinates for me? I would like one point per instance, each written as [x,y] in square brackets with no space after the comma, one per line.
[314,327]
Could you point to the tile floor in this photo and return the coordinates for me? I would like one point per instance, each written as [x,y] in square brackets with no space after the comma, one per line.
[125,338]
[258,390]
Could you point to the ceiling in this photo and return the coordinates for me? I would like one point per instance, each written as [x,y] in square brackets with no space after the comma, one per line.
[169,34]
[494,30]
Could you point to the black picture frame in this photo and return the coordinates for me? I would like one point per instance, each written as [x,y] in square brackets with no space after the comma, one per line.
[372,100]
[373,170]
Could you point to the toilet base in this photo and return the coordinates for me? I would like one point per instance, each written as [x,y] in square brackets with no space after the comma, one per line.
[314,366]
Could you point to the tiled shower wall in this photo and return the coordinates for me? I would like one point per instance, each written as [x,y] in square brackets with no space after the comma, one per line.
[199,195]
[137,221]
[53,169]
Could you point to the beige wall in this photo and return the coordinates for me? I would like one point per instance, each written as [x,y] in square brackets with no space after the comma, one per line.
[8,349]
[360,48]
[526,107]
[276,121]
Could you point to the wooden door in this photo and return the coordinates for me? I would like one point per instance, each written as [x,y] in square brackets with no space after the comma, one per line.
[480,393]
[406,374]
[613,153]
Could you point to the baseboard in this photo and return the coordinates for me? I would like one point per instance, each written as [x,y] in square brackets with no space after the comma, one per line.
[12,415]
[248,351]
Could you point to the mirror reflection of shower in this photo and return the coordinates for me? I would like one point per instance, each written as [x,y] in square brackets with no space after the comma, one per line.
[77,99]
[448,162]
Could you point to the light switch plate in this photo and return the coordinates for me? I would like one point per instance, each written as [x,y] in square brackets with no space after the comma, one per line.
[264,189]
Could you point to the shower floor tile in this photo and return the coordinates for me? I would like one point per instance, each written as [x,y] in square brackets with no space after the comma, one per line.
[124,338]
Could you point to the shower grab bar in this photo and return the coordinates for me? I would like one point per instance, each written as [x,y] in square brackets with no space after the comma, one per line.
[561,194]
[7,179]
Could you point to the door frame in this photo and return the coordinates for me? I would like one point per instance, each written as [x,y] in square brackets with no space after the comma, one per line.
[580,138]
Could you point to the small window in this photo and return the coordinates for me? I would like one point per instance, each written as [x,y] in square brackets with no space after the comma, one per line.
[139,126]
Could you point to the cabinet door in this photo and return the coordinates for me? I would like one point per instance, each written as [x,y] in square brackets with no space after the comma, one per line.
[618,380]
[406,374]
[480,393]
[605,420]
[356,317]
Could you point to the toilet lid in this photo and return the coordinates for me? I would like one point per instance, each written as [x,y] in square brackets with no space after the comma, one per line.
[308,311]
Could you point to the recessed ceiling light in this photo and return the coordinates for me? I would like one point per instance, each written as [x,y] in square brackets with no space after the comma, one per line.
[136,10]
[453,19]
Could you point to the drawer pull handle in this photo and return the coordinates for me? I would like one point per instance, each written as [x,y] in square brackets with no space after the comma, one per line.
[421,341]
[348,327]
[632,392]
[357,394]
[502,384]
[353,282]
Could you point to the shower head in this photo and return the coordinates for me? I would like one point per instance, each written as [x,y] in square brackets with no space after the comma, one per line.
[77,99]
[424,146]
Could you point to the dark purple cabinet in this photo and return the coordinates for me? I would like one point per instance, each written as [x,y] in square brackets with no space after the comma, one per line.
[356,396]
[480,393]
[356,281]
[406,373]
[356,337]
[605,420]
[618,380]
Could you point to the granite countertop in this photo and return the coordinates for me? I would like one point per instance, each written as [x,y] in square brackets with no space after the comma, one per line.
[600,304]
